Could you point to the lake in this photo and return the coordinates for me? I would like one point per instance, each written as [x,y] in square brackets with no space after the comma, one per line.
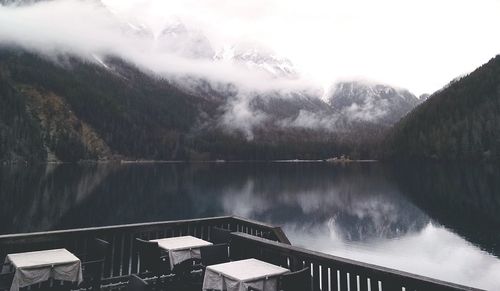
[438,220]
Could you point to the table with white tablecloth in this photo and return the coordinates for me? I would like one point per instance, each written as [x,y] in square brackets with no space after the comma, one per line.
[239,275]
[35,267]
[182,248]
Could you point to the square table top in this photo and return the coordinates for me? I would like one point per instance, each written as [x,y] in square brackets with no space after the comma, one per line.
[42,258]
[248,270]
[181,243]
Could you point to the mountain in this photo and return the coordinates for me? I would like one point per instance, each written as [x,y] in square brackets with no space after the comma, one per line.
[369,102]
[257,58]
[74,110]
[282,108]
[19,2]
[68,109]
[100,107]
[176,38]
[460,121]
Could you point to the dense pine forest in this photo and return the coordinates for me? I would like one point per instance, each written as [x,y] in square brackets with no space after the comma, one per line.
[73,111]
[461,121]
[70,110]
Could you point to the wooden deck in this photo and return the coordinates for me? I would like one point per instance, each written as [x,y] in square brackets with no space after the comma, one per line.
[250,239]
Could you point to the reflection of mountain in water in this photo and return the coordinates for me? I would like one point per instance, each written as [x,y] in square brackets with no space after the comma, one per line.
[358,199]
[356,202]
[374,213]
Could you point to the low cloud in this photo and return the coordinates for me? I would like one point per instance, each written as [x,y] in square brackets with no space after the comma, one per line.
[368,111]
[311,120]
[88,28]
[239,116]
[93,32]
[173,47]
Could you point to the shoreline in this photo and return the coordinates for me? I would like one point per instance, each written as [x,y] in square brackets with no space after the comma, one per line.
[18,163]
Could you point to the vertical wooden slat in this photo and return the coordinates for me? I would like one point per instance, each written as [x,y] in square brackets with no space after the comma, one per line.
[125,255]
[352,282]
[107,263]
[343,280]
[131,254]
[363,283]
[373,283]
[315,277]
[324,278]
[203,232]
[115,263]
[121,241]
[334,279]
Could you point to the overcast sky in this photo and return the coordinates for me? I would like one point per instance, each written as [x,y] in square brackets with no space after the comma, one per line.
[420,45]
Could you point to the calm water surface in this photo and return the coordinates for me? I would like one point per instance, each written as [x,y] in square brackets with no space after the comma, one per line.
[440,221]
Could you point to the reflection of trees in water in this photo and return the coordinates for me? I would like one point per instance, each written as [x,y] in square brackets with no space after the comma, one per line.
[35,198]
[362,201]
[145,192]
[360,198]
[462,197]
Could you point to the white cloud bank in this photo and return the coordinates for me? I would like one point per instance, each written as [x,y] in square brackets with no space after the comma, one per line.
[90,30]
[419,45]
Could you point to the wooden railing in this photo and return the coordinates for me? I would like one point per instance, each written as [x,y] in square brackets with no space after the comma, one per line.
[334,273]
[123,258]
[249,239]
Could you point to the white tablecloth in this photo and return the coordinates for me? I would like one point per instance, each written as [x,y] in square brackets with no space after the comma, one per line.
[182,248]
[239,275]
[36,267]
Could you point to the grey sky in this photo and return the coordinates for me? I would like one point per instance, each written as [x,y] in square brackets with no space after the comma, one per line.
[419,45]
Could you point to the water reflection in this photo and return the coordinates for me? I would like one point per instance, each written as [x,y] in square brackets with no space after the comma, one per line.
[465,198]
[35,198]
[434,220]
[357,199]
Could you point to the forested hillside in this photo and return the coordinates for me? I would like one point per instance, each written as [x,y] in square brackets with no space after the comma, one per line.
[461,121]
[71,110]
[67,109]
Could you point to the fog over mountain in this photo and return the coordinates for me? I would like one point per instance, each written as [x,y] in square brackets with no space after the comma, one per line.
[326,40]
[239,88]
[372,102]
[171,53]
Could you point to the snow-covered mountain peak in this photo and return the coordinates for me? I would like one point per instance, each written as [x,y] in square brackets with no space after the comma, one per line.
[177,38]
[371,101]
[365,89]
[261,59]
[174,27]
